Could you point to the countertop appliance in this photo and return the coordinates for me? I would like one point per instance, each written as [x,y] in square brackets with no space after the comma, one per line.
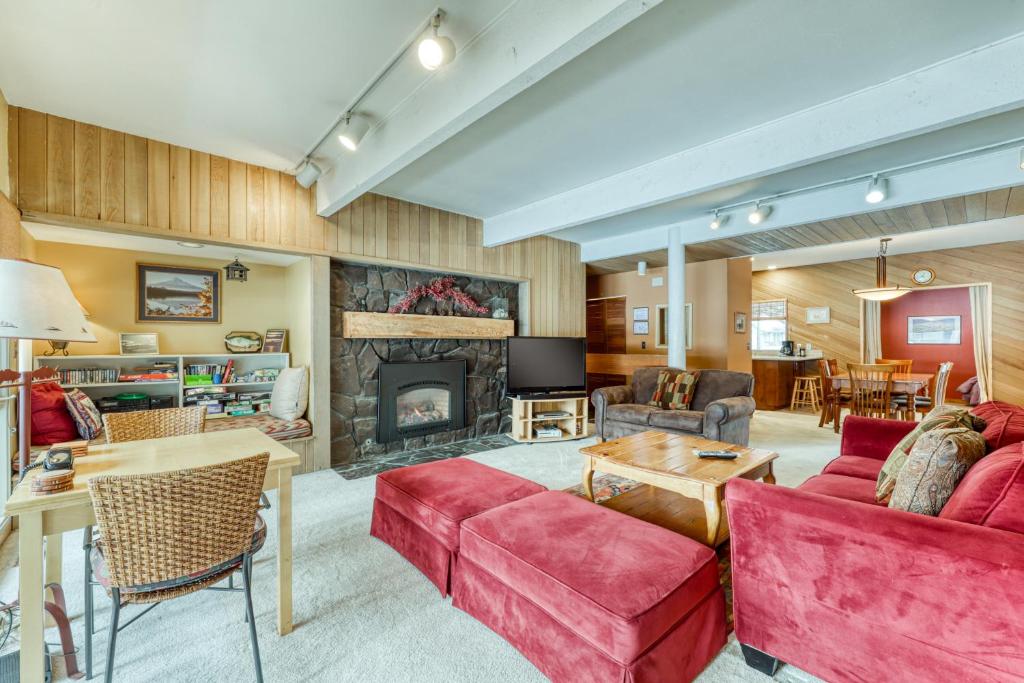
[787,348]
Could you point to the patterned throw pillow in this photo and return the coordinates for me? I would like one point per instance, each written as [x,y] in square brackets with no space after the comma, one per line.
[674,391]
[942,417]
[938,462]
[83,411]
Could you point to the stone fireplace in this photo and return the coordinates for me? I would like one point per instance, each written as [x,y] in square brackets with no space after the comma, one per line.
[360,367]
[417,398]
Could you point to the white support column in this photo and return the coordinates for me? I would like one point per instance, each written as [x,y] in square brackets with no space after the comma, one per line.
[676,298]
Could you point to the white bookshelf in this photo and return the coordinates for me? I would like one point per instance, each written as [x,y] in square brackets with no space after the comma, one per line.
[244,364]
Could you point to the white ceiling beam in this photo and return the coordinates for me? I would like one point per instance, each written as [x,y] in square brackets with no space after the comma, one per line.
[970,175]
[964,88]
[523,45]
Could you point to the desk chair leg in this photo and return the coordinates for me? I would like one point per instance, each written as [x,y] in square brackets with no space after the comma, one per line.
[115,612]
[90,616]
[247,580]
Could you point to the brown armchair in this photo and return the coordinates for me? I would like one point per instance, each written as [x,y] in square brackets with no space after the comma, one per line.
[721,408]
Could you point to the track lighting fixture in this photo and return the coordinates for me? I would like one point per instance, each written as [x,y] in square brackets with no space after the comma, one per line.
[759,214]
[718,221]
[1022,158]
[641,268]
[353,131]
[877,190]
[307,173]
[435,51]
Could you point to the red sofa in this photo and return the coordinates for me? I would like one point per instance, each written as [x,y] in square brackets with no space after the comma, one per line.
[847,589]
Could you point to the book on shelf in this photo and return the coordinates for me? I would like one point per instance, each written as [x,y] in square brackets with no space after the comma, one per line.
[151,373]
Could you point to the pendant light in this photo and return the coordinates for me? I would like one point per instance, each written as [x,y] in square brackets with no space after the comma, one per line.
[882,291]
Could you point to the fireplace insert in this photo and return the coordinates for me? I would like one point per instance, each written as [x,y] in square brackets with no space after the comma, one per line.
[417,398]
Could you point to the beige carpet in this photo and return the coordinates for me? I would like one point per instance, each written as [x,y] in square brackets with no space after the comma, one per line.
[362,612]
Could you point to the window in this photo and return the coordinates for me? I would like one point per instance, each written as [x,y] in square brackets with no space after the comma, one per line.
[769,325]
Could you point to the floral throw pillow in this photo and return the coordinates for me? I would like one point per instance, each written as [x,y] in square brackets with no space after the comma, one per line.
[674,391]
[85,414]
[942,417]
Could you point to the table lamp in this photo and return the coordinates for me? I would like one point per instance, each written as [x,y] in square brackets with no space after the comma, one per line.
[35,303]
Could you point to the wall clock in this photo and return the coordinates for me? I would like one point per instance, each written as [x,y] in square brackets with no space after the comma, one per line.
[923,276]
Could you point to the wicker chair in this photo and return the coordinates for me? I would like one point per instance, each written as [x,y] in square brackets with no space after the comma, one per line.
[198,530]
[154,424]
[871,389]
[134,426]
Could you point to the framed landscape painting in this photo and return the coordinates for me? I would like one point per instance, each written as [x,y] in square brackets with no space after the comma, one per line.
[175,294]
[933,329]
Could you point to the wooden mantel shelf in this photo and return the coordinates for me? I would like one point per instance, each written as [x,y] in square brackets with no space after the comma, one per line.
[364,325]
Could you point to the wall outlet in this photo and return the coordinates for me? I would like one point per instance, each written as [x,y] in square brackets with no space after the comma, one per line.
[643,345]
[657,281]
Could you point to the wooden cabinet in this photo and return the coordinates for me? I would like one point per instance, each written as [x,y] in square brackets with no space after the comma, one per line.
[606,325]
[774,380]
[569,415]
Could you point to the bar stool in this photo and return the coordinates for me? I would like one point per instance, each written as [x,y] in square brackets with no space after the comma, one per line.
[806,393]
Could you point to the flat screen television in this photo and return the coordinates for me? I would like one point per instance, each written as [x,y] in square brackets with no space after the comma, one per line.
[546,365]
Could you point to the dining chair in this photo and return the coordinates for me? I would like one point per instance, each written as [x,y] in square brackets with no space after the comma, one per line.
[170,534]
[154,424]
[936,392]
[134,426]
[903,367]
[832,400]
[871,389]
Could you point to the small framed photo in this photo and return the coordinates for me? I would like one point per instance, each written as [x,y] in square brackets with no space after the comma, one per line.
[275,341]
[641,313]
[739,322]
[139,343]
[933,329]
[641,327]
[819,315]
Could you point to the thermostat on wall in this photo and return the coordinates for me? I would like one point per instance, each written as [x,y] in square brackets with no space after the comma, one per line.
[657,282]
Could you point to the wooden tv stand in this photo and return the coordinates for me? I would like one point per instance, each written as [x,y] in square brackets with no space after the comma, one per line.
[524,418]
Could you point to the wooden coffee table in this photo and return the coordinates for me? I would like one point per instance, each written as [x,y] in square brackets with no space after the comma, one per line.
[668,463]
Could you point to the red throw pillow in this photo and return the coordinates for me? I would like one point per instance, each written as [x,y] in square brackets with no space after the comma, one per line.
[1005,423]
[51,421]
[992,492]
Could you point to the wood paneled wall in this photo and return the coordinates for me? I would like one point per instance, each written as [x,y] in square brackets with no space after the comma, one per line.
[73,173]
[831,284]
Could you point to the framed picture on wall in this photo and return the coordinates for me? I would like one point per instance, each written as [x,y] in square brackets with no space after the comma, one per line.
[641,313]
[819,315]
[174,294]
[641,327]
[933,329]
[739,322]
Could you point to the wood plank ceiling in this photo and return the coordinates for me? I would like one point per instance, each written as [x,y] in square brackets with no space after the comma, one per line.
[959,210]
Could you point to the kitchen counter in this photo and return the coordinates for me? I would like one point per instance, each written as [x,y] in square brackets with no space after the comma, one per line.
[775,375]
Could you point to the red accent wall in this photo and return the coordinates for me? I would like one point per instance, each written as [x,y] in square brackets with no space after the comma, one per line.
[953,301]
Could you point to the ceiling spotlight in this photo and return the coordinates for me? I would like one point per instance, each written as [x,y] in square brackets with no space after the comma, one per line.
[190,245]
[718,221]
[435,51]
[1022,158]
[641,268]
[307,174]
[353,131]
[759,214]
[877,190]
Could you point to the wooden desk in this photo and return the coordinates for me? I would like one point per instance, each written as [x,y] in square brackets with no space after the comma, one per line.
[667,461]
[51,516]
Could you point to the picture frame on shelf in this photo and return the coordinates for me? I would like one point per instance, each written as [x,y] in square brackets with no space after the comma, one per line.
[275,341]
[818,315]
[139,343]
[177,294]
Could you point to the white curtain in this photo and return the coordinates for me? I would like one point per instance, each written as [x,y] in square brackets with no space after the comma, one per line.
[870,330]
[981,319]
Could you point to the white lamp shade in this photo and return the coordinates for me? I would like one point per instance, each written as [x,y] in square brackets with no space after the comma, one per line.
[36,303]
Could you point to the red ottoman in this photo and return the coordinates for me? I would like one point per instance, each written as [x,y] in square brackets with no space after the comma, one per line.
[418,509]
[590,594]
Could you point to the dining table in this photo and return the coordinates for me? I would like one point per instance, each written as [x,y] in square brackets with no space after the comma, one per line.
[50,516]
[910,383]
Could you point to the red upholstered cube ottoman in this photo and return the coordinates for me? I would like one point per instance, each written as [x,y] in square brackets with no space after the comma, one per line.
[590,594]
[418,509]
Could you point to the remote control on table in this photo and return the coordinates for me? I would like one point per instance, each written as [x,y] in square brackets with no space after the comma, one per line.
[719,455]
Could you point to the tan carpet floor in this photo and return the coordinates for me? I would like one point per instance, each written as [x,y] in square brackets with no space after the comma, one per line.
[362,612]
